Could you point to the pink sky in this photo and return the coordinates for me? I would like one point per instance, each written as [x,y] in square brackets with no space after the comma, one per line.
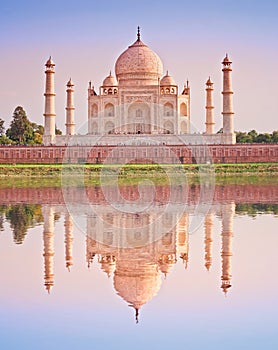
[85,40]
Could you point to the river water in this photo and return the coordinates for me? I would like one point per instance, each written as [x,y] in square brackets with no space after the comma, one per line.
[139,268]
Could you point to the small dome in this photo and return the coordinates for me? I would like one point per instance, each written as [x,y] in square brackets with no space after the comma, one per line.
[50,62]
[110,81]
[209,82]
[138,64]
[167,80]
[226,60]
[70,83]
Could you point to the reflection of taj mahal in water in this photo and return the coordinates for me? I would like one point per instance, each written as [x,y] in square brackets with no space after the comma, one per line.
[139,101]
[137,268]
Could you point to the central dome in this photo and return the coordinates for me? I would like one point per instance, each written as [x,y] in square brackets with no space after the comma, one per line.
[138,65]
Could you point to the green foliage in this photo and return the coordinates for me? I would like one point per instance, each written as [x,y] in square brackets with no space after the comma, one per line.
[57,131]
[20,130]
[253,137]
[2,128]
[22,217]
[4,140]
[256,208]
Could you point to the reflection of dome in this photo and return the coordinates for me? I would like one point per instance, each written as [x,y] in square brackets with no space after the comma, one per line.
[167,80]
[137,285]
[110,81]
[138,63]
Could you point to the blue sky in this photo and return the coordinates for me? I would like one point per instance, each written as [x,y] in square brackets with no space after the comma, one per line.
[86,37]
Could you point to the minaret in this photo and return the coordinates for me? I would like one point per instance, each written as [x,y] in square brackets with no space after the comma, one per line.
[48,241]
[226,253]
[68,240]
[209,108]
[49,110]
[183,238]
[70,125]
[208,240]
[228,114]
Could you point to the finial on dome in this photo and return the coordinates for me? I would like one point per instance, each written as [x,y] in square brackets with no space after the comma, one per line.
[138,34]
[137,315]
[167,73]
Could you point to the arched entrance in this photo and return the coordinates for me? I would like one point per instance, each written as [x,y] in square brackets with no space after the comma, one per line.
[139,118]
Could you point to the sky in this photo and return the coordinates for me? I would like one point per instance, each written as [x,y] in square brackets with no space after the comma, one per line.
[85,38]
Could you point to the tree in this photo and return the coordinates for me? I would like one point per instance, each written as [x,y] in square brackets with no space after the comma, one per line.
[275,136]
[2,128]
[20,130]
[57,131]
[22,217]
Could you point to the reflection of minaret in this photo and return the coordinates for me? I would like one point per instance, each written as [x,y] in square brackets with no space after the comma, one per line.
[227,234]
[90,240]
[48,240]
[68,240]
[208,240]
[183,238]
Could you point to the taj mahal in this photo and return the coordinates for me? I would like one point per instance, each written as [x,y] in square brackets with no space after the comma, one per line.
[138,102]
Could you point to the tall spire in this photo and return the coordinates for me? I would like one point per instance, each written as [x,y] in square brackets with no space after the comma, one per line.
[49,109]
[70,125]
[228,114]
[138,34]
[209,108]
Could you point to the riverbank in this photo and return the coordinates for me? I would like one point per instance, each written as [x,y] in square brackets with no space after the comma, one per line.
[45,174]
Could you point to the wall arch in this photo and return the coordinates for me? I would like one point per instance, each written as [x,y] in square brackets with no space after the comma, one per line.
[168,109]
[109,110]
[139,118]
[183,109]
[109,127]
[94,110]
[94,128]
[168,127]
[184,129]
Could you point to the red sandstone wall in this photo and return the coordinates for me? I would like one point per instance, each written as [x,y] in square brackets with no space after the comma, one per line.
[190,194]
[141,154]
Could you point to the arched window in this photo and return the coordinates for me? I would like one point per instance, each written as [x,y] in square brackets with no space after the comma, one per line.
[139,113]
[184,127]
[94,110]
[94,129]
[109,128]
[168,127]
[110,91]
[109,110]
[168,109]
[183,109]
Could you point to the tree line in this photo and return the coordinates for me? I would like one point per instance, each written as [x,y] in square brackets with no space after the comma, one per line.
[254,137]
[22,131]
